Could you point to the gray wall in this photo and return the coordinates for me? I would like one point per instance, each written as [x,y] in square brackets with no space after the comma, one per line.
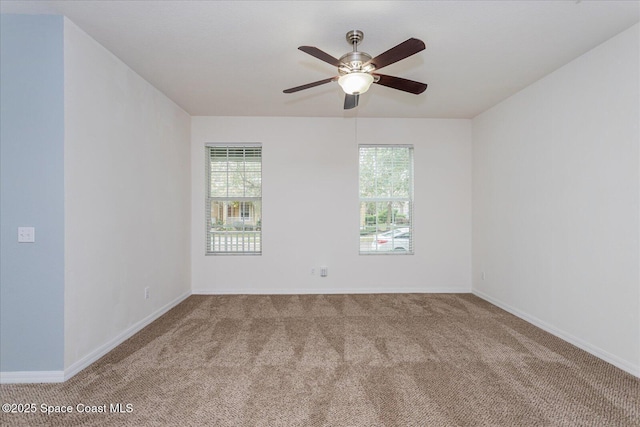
[32,193]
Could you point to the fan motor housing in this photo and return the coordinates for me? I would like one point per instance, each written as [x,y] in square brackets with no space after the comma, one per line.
[354,61]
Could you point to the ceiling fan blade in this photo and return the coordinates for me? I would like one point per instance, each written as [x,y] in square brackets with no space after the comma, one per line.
[401,84]
[308,85]
[396,53]
[351,101]
[323,56]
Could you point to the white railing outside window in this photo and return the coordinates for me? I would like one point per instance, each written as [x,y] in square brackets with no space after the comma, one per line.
[234,199]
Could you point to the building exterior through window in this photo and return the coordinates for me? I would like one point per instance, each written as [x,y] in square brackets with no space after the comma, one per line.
[234,199]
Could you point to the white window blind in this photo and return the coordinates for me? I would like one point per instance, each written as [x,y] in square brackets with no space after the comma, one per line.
[234,199]
[386,199]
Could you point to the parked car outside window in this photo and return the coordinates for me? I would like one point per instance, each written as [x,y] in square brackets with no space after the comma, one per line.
[394,240]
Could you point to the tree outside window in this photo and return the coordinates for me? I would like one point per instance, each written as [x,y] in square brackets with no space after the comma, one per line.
[386,199]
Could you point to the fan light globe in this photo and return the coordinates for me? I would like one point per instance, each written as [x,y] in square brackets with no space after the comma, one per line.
[355,83]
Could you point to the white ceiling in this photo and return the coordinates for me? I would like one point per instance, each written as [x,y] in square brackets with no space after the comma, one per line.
[234,58]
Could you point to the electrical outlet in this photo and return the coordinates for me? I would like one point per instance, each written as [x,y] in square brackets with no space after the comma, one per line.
[324,271]
[484,276]
[146,293]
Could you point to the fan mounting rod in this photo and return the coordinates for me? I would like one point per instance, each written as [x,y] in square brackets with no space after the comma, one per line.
[353,61]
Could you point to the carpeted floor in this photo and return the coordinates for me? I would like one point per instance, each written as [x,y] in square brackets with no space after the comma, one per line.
[340,360]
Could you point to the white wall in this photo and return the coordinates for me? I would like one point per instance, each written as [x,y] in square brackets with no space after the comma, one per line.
[127,199]
[556,202]
[311,209]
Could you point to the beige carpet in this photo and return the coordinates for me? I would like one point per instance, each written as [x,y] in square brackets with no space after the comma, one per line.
[340,360]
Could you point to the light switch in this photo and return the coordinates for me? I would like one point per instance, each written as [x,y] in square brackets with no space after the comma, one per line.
[26,234]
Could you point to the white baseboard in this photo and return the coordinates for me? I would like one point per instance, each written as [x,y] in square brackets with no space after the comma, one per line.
[31,377]
[325,291]
[589,348]
[123,336]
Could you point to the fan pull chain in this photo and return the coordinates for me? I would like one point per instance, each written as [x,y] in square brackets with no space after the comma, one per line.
[356,130]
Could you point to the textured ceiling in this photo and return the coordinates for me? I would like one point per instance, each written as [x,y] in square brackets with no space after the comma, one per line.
[234,58]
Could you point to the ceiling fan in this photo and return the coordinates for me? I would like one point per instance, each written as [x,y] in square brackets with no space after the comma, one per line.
[356,69]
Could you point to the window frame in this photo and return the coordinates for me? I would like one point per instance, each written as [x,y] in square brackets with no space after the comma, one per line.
[410,199]
[256,229]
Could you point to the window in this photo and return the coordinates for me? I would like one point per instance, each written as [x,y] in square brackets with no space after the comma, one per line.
[386,199]
[234,199]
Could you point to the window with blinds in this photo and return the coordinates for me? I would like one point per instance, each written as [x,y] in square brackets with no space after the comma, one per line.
[386,199]
[234,199]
